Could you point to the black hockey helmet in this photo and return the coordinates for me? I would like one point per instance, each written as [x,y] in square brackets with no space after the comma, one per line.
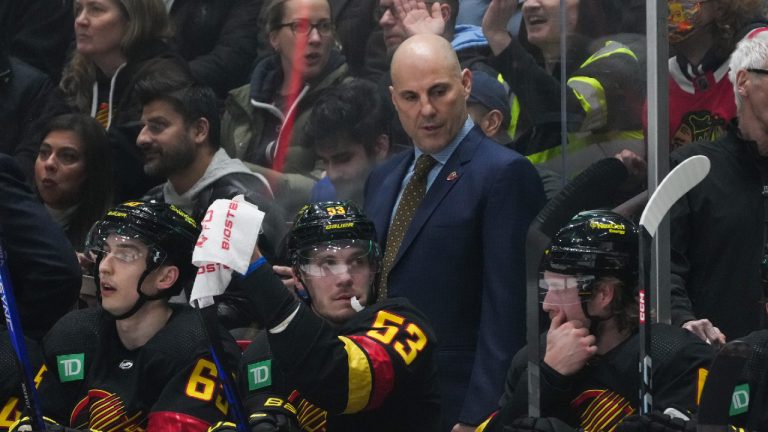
[338,224]
[595,243]
[169,234]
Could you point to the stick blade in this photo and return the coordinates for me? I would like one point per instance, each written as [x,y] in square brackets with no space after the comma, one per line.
[676,184]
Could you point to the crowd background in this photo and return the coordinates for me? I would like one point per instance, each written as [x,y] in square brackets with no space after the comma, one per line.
[292,101]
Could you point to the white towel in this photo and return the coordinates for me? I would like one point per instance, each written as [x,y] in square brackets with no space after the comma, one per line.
[229,233]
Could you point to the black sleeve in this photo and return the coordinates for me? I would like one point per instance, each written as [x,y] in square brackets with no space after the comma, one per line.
[40,32]
[44,270]
[679,360]
[538,91]
[228,64]
[556,391]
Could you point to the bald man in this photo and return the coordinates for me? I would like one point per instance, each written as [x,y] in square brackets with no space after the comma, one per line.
[461,257]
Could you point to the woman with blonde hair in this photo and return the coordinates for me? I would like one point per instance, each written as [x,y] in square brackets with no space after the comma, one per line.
[119,42]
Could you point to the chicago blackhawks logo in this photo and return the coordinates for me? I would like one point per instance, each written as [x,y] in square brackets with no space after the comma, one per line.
[698,126]
[105,411]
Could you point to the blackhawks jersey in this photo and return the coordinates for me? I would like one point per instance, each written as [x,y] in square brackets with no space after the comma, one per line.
[607,389]
[375,373]
[701,99]
[170,383]
[11,397]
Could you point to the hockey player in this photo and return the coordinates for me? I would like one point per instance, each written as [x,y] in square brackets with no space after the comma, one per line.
[343,362]
[589,372]
[136,362]
[11,397]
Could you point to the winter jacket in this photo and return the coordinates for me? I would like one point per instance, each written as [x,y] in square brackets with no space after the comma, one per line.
[247,108]
[28,99]
[218,38]
[718,237]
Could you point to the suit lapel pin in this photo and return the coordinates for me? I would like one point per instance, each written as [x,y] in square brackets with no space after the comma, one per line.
[452,176]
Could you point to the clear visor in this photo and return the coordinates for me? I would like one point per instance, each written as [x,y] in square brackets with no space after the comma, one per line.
[560,289]
[338,257]
[122,243]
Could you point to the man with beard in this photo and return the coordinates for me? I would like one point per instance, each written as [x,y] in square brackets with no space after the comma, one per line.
[179,140]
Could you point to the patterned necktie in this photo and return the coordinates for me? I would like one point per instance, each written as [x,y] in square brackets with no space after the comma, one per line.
[412,195]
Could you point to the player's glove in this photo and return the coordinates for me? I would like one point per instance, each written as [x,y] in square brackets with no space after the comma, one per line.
[655,422]
[272,414]
[25,425]
[538,424]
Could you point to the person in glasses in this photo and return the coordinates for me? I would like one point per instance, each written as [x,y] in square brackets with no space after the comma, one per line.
[276,104]
[719,228]
[339,361]
[702,34]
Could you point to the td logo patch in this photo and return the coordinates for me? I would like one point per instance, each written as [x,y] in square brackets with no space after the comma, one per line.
[71,367]
[259,375]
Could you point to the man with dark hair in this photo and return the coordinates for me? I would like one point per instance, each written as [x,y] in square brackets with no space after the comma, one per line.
[589,371]
[349,128]
[137,362]
[179,140]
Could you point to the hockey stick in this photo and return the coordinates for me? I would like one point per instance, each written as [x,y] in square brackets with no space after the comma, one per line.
[676,184]
[209,318]
[585,191]
[724,374]
[31,398]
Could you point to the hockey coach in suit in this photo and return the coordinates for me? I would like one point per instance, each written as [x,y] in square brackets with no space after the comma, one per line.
[452,215]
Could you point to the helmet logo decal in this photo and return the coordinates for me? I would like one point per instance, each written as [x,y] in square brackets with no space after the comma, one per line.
[612,227]
[116,213]
[133,203]
[332,211]
[186,217]
[339,226]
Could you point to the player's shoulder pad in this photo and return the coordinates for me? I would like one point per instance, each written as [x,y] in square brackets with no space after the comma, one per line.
[79,329]
[183,336]
[668,342]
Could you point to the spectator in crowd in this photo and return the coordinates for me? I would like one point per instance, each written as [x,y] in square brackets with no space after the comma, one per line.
[73,174]
[400,19]
[605,82]
[119,42]
[219,39]
[444,248]
[43,268]
[29,98]
[591,348]
[137,362]
[702,36]
[180,142]
[38,32]
[348,126]
[718,229]
[488,106]
[332,360]
[267,117]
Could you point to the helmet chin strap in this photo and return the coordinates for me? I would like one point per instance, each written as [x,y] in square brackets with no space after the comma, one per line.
[594,321]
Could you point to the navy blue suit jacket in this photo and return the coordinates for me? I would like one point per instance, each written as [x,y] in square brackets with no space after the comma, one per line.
[462,263]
